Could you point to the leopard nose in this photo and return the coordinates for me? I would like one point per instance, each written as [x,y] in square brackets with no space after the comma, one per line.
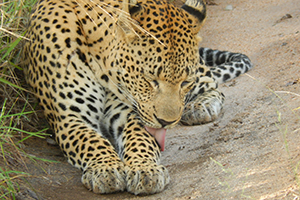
[164,122]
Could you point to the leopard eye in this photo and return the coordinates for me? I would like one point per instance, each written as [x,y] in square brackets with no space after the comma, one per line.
[155,83]
[184,83]
[187,84]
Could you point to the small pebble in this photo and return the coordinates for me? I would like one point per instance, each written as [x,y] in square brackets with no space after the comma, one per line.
[229,7]
[181,147]
[51,141]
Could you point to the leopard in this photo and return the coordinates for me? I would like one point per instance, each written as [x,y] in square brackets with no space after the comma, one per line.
[112,76]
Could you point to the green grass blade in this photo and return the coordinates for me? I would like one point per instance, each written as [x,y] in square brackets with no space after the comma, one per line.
[11,48]
[11,84]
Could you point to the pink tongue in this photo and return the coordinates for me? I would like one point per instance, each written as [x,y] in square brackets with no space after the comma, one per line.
[159,135]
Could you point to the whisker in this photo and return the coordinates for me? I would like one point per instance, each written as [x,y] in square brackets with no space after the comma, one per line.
[86,12]
[124,17]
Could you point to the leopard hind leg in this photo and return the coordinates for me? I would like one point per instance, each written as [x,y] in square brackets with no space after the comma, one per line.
[204,102]
[203,108]
[225,65]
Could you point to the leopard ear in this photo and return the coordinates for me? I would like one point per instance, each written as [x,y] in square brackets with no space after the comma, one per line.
[197,13]
[134,7]
[125,21]
[131,6]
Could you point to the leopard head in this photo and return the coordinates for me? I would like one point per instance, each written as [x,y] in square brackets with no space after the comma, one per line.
[157,60]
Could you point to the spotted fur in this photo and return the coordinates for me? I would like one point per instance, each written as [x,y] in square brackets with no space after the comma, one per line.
[104,70]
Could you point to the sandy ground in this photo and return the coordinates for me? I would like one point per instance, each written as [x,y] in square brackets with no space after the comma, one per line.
[252,151]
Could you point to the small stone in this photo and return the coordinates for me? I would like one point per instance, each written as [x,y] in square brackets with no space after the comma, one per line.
[229,7]
[181,147]
[51,141]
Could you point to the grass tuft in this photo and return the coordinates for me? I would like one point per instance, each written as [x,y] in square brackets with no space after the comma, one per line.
[16,105]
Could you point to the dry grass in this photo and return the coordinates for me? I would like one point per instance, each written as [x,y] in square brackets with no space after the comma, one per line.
[16,103]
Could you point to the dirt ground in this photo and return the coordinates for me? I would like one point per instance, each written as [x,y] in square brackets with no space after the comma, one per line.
[252,151]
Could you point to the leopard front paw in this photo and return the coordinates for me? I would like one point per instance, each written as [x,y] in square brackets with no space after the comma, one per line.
[146,179]
[203,110]
[200,114]
[104,178]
